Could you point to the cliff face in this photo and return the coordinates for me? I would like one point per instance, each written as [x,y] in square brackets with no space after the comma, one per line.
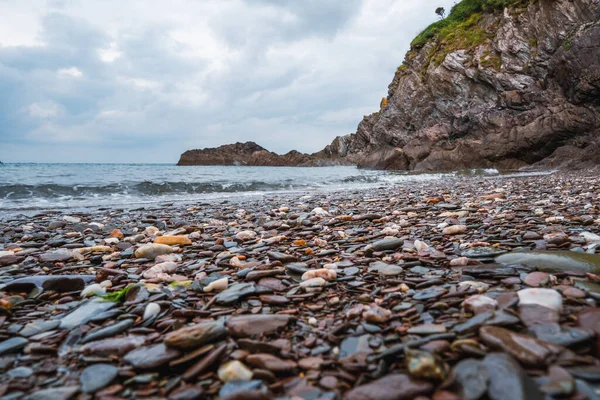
[499,87]
[252,154]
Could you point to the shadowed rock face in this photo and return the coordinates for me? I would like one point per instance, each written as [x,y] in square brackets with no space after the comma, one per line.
[528,95]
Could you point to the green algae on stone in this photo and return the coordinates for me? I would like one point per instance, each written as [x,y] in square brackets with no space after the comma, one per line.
[119,295]
[554,261]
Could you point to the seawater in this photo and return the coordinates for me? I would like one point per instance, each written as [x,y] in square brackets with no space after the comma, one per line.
[26,187]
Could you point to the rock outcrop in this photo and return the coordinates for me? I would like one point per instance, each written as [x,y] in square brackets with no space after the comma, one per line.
[252,154]
[498,83]
[521,88]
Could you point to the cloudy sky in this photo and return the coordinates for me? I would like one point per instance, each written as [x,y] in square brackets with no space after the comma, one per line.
[144,80]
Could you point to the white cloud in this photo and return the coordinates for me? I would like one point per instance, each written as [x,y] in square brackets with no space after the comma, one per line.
[109,54]
[72,72]
[44,110]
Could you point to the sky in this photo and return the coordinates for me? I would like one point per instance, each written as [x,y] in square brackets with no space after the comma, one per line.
[145,80]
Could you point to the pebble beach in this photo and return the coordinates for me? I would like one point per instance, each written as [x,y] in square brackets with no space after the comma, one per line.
[469,287]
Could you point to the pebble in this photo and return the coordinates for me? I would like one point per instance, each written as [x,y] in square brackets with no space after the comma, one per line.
[527,350]
[234,371]
[97,376]
[324,273]
[93,290]
[219,284]
[537,279]
[194,336]
[390,387]
[152,251]
[332,304]
[151,310]
[548,298]
[150,357]
[387,244]
[454,230]
[271,363]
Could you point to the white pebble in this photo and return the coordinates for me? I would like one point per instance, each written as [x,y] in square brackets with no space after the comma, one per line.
[93,290]
[245,235]
[106,284]
[479,286]
[151,310]
[420,246]
[219,284]
[459,262]
[327,274]
[234,371]
[548,298]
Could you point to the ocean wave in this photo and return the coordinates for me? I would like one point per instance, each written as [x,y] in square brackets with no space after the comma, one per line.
[145,188]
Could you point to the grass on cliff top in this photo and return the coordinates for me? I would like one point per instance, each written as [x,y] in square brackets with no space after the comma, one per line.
[461,18]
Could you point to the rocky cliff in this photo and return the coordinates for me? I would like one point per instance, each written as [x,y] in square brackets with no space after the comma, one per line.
[498,83]
[252,154]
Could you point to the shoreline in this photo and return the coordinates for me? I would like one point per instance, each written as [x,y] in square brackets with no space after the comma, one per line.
[310,294]
[187,199]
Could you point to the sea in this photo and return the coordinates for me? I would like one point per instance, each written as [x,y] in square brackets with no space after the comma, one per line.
[29,187]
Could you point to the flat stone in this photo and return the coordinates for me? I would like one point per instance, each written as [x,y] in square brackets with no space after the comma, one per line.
[390,387]
[187,393]
[387,244]
[54,256]
[385,269]
[84,313]
[97,376]
[429,293]
[479,303]
[113,346]
[274,284]
[37,327]
[20,372]
[561,335]
[271,363]
[173,240]
[108,331]
[537,279]
[531,314]
[243,389]
[58,393]
[548,298]
[283,257]
[151,357]
[310,363]
[13,344]
[426,329]
[508,381]
[153,250]
[573,292]
[234,293]
[257,325]
[481,252]
[471,377]
[273,299]
[554,261]
[529,351]
[419,270]
[191,337]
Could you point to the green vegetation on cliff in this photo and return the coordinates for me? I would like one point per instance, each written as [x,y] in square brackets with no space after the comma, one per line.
[461,19]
